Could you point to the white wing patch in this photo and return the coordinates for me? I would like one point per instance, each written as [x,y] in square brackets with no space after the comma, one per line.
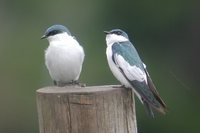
[144,65]
[131,72]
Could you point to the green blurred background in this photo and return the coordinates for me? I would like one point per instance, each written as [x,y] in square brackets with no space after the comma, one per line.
[166,34]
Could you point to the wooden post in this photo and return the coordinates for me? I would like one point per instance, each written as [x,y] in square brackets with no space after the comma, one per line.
[97,109]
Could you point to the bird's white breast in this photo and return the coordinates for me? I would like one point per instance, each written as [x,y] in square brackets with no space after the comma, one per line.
[115,70]
[64,58]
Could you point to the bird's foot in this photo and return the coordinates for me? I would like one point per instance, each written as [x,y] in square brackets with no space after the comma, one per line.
[120,86]
[73,82]
[62,84]
[76,82]
[55,82]
[123,86]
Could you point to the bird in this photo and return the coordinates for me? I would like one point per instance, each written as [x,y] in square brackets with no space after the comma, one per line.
[128,68]
[64,56]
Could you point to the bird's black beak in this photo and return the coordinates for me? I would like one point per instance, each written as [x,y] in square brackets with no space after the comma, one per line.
[106,32]
[43,37]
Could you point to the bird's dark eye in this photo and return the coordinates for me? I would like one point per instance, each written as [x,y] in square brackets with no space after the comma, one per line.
[118,32]
[54,32]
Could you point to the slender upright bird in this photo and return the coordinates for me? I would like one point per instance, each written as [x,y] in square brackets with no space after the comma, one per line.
[64,56]
[128,68]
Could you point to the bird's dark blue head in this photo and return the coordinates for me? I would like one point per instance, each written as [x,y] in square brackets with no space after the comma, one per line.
[54,30]
[118,32]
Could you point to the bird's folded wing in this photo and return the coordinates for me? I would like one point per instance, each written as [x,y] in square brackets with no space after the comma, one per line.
[135,72]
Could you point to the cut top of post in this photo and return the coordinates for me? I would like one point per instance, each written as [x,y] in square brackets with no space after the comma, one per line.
[78,89]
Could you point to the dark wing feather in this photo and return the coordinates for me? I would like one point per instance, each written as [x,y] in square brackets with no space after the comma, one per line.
[154,91]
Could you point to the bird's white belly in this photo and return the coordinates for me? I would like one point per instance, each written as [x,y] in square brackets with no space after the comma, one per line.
[64,62]
[116,72]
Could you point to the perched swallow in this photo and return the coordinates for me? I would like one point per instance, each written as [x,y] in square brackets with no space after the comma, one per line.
[128,68]
[64,56]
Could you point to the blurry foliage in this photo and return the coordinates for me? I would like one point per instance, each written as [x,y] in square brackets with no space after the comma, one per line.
[165,33]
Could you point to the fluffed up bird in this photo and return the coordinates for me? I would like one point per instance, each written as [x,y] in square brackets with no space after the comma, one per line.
[128,68]
[64,56]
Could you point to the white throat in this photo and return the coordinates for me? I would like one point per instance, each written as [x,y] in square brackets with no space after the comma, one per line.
[59,37]
[113,38]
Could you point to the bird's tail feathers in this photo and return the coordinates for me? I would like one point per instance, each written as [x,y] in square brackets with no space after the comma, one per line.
[148,109]
[161,109]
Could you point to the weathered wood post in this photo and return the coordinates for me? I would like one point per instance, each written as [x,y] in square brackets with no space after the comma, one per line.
[97,109]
